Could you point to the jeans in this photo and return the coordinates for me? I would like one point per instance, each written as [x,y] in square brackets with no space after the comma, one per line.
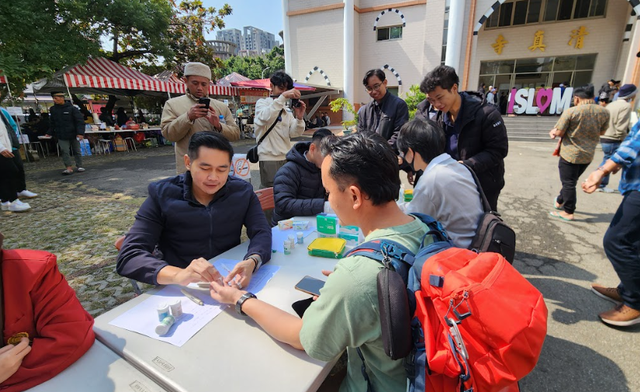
[66,158]
[609,149]
[622,246]
[11,177]
[569,175]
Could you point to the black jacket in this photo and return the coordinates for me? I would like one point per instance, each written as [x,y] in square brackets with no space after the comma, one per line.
[297,187]
[183,229]
[482,143]
[66,121]
[385,119]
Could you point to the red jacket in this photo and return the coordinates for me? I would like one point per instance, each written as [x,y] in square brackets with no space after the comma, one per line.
[39,301]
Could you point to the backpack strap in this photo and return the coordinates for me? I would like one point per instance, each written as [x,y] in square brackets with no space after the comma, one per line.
[271,127]
[377,249]
[483,199]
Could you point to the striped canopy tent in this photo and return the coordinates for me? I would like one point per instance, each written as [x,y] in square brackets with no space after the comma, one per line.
[181,88]
[266,84]
[102,76]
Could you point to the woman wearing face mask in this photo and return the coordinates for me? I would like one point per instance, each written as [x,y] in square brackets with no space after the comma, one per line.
[446,190]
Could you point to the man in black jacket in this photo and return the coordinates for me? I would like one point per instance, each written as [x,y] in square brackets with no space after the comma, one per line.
[386,113]
[475,132]
[297,186]
[67,124]
[194,217]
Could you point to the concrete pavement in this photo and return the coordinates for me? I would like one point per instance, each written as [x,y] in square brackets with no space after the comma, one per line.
[561,259]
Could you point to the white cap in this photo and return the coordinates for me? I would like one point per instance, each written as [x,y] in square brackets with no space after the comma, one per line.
[197,69]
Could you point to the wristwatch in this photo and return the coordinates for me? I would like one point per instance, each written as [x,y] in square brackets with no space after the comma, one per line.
[257,261]
[244,297]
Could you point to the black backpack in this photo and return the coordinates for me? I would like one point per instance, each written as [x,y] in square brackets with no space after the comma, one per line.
[492,234]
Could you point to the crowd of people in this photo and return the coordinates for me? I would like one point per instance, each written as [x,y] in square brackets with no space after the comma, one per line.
[198,214]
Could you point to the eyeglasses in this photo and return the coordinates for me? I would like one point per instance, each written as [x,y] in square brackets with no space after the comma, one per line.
[375,87]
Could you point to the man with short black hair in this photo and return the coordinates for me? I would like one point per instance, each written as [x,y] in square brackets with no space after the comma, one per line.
[446,191]
[360,174]
[67,125]
[298,187]
[386,113]
[184,116]
[580,128]
[287,122]
[475,132]
[194,217]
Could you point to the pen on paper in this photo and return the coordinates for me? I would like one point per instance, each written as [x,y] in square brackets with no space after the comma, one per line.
[192,297]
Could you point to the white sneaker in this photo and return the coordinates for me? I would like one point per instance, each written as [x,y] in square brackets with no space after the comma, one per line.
[18,206]
[80,169]
[27,194]
[5,206]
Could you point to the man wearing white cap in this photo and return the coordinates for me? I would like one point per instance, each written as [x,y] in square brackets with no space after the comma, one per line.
[183,116]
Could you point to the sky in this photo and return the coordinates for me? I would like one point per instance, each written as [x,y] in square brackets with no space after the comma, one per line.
[263,14]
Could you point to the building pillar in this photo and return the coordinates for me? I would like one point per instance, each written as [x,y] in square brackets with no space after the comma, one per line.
[348,55]
[286,38]
[454,34]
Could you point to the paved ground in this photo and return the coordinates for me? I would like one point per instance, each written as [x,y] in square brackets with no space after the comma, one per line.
[79,217]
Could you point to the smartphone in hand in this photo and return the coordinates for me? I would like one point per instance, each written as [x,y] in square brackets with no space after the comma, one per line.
[205,102]
[310,285]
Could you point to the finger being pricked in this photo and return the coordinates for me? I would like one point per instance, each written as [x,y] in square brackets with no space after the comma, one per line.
[205,269]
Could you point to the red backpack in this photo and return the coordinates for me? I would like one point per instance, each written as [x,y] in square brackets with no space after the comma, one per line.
[483,323]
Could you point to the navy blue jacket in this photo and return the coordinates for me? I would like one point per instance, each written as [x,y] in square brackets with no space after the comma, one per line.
[66,121]
[385,118]
[297,187]
[183,229]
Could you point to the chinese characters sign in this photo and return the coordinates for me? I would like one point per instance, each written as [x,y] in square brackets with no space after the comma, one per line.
[576,39]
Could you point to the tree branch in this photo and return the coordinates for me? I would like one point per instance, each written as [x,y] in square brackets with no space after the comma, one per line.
[129,53]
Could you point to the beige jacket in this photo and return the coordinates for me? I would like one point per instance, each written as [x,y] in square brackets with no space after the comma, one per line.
[177,128]
[619,115]
[278,143]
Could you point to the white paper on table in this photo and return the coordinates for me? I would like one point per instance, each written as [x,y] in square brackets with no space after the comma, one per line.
[143,318]
[279,236]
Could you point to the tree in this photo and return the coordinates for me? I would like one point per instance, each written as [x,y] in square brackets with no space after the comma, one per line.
[344,104]
[39,37]
[253,67]
[414,97]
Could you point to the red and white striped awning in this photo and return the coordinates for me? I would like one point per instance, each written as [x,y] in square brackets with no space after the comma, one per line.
[179,87]
[106,74]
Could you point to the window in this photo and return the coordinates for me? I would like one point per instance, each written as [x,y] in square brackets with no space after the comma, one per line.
[445,31]
[387,33]
[535,72]
[520,12]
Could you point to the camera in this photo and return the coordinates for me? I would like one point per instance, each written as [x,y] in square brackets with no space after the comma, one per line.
[295,103]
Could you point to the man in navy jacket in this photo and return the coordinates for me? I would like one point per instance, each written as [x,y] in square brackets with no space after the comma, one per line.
[193,217]
[297,186]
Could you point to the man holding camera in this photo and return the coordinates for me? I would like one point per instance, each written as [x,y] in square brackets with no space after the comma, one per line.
[285,121]
[195,112]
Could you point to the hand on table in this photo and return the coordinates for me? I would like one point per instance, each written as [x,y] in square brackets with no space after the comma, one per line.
[241,274]
[7,154]
[200,270]
[225,294]
[11,358]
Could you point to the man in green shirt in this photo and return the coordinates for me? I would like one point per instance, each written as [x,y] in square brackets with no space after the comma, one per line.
[360,175]
[580,128]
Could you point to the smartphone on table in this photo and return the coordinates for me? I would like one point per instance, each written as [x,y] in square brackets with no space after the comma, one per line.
[205,102]
[310,285]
